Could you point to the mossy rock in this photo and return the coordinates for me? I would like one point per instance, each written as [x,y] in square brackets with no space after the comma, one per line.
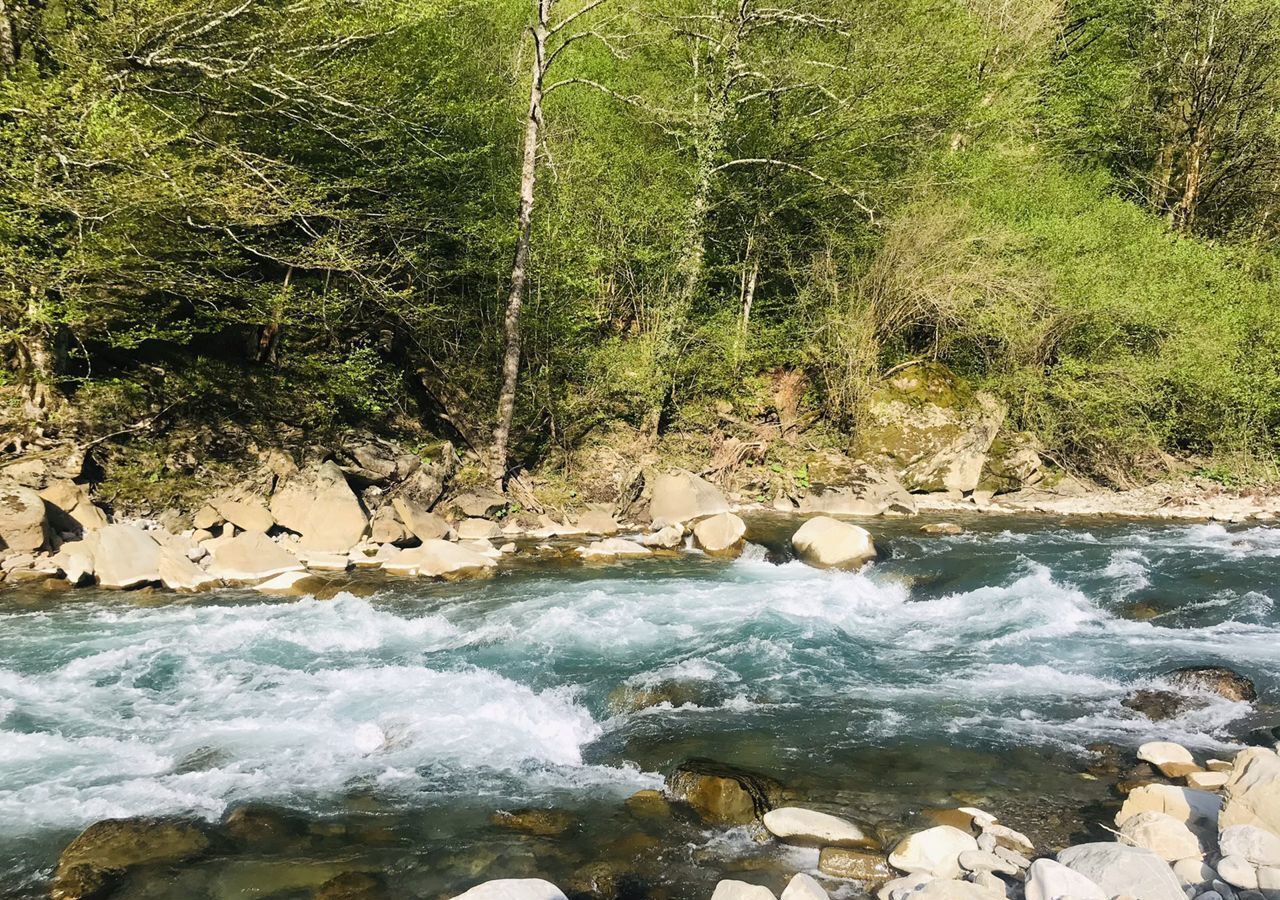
[352,886]
[537,822]
[722,794]
[95,860]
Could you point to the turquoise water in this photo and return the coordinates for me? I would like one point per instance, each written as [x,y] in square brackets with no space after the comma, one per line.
[974,668]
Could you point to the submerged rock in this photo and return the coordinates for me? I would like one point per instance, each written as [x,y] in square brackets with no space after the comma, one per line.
[95,860]
[829,543]
[352,886]
[540,822]
[809,828]
[1160,705]
[859,865]
[262,827]
[722,794]
[648,804]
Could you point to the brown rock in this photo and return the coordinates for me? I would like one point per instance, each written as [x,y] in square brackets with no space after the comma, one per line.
[352,886]
[722,794]
[859,865]
[1220,680]
[23,520]
[540,822]
[94,861]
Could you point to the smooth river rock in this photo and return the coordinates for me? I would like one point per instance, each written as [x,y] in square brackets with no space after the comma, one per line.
[722,794]
[1049,879]
[1173,760]
[729,889]
[95,860]
[1120,870]
[1259,846]
[721,535]
[614,548]
[682,497]
[1198,809]
[803,887]
[246,513]
[440,559]
[809,828]
[829,543]
[1163,835]
[513,889]
[421,522]
[935,851]
[859,865]
[1252,795]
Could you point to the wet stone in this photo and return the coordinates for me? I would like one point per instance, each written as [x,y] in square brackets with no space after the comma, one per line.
[722,794]
[537,822]
[352,886]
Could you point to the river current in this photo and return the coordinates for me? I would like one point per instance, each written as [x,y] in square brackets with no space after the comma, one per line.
[398,717]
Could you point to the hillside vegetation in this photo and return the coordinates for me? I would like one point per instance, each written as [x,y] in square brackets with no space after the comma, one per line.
[229,224]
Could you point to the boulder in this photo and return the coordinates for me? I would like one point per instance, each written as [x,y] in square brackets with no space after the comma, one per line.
[206,518]
[23,519]
[321,507]
[538,822]
[352,886]
[440,559]
[246,513]
[95,860]
[614,548]
[386,527]
[667,538]
[178,573]
[1259,846]
[72,507]
[75,562]
[939,529]
[513,889]
[292,584]
[1163,835]
[809,828]
[1220,680]
[1013,462]
[721,535]
[722,794]
[859,865]
[740,890]
[1120,870]
[842,502]
[935,851]
[1197,809]
[803,887]
[478,530]
[1207,781]
[420,521]
[903,888]
[682,497]
[478,504]
[1160,705]
[1173,760]
[928,427]
[124,556]
[828,543]
[982,861]
[1238,872]
[250,557]
[598,521]
[1252,795]
[1048,879]
[1194,871]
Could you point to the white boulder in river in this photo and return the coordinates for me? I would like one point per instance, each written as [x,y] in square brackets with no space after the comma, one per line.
[829,543]
[1163,835]
[808,828]
[514,889]
[741,890]
[721,535]
[1051,880]
[1120,870]
[935,851]
[1253,793]
[683,497]
[803,887]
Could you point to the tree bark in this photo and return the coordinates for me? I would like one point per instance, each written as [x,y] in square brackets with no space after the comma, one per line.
[520,266]
[42,353]
[8,42]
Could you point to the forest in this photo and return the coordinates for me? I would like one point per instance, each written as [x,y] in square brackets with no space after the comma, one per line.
[518,224]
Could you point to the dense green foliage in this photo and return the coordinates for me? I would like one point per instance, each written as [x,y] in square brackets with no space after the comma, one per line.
[302,214]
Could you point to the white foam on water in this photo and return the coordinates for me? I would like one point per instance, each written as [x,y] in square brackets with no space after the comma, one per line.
[1128,569]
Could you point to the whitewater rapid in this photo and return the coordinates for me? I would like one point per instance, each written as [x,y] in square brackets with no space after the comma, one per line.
[990,641]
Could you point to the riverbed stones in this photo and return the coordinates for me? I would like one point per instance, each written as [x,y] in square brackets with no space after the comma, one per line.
[829,543]
[321,507]
[722,794]
[106,850]
[935,851]
[859,865]
[1124,871]
[721,535]
[803,887]
[1173,760]
[681,496]
[1163,835]
[513,889]
[1198,809]
[352,886]
[1252,794]
[728,889]
[250,557]
[1226,683]
[1049,879]
[946,889]
[23,519]
[810,828]
[440,559]
[539,822]
[614,549]
[246,513]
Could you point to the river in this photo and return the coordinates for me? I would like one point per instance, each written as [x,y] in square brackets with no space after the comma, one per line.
[397,718]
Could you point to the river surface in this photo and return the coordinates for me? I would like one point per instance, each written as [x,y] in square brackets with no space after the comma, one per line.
[396,719]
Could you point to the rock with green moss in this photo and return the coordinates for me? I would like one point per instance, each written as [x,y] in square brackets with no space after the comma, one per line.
[929,427]
[94,862]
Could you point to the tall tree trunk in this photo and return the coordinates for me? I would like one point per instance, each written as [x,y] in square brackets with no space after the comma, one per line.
[8,41]
[1183,215]
[42,354]
[520,267]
